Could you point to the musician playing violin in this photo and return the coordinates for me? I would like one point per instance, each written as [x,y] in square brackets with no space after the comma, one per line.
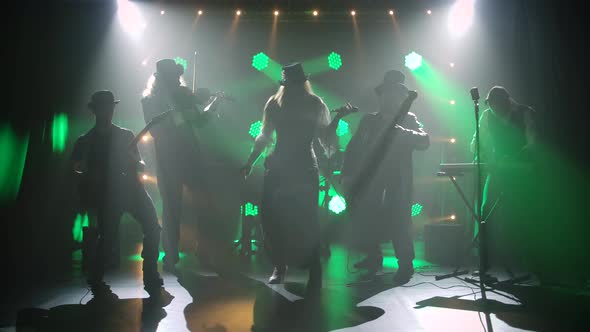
[178,153]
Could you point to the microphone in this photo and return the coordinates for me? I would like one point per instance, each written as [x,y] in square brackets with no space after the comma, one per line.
[474,94]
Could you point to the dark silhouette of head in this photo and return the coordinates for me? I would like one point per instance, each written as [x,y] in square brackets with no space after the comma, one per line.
[499,100]
[168,72]
[391,91]
[102,104]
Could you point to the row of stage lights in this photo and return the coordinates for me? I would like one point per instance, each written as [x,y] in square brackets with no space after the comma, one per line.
[314,12]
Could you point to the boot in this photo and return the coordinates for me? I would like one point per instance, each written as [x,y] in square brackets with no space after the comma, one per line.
[278,275]
[404,273]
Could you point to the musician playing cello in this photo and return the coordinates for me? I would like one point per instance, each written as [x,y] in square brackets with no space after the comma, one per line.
[383,211]
[507,139]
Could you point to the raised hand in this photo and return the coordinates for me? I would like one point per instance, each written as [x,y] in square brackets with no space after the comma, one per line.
[345,110]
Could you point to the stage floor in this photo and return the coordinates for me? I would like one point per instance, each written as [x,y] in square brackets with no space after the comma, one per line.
[201,300]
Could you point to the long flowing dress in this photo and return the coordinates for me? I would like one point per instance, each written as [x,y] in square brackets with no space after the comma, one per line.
[290,195]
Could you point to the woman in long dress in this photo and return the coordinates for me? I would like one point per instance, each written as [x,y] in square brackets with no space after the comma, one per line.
[290,194]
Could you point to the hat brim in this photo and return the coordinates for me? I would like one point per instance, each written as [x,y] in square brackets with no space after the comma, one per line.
[179,71]
[93,105]
[295,81]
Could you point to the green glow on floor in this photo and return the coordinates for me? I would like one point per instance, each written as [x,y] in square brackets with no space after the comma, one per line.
[137,257]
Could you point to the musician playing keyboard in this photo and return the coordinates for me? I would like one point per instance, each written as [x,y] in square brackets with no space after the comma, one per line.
[507,140]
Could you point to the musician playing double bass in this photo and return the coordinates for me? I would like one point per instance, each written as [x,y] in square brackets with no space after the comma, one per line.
[382,211]
[108,161]
[178,154]
[507,144]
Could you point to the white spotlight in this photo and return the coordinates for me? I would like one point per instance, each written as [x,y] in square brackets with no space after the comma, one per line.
[460,17]
[429,12]
[315,13]
[391,12]
[238,12]
[352,12]
[200,12]
[452,64]
[276,13]
[130,18]
[162,12]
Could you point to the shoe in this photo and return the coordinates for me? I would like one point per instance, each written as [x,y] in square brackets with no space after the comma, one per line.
[101,292]
[403,275]
[152,281]
[278,275]
[370,263]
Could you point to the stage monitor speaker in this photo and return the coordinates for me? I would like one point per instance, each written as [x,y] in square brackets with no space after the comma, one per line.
[444,243]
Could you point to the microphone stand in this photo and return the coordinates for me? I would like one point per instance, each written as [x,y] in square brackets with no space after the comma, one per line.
[483,253]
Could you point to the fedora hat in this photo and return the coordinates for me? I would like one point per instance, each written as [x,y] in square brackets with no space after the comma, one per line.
[102,98]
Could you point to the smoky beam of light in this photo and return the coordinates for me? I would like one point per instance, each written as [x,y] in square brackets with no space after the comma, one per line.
[234,28]
[397,31]
[357,39]
[272,43]
[316,65]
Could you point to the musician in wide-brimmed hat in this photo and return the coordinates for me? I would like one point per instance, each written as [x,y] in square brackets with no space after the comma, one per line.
[382,212]
[178,153]
[108,163]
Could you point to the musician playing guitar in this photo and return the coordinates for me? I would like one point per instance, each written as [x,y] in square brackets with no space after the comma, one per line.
[110,186]
[178,154]
[380,156]
[507,145]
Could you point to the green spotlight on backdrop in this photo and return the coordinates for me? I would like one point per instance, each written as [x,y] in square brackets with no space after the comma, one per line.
[413,61]
[182,62]
[416,209]
[343,128]
[251,210]
[255,129]
[80,222]
[337,204]
[260,61]
[59,132]
[334,61]
[13,148]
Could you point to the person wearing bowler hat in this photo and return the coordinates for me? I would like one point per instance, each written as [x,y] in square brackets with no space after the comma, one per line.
[382,212]
[109,165]
[178,154]
[290,191]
